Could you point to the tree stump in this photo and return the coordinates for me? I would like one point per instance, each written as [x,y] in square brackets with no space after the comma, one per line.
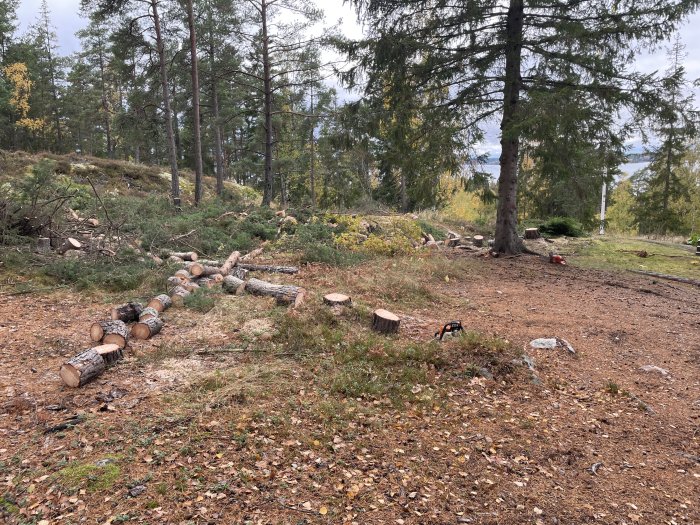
[178,295]
[82,368]
[185,256]
[128,312]
[110,332]
[336,299]
[478,240]
[160,302]
[233,285]
[146,329]
[230,262]
[285,294]
[69,244]
[532,233]
[43,245]
[149,313]
[385,322]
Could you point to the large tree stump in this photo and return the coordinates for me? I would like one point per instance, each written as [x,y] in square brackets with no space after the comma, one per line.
[149,313]
[147,328]
[478,240]
[185,256]
[69,244]
[385,322]
[110,332]
[43,245]
[82,368]
[336,299]
[160,302]
[178,295]
[285,294]
[532,233]
[128,312]
[229,263]
[269,268]
[233,285]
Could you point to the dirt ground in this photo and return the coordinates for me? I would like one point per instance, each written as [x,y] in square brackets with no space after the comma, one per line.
[215,431]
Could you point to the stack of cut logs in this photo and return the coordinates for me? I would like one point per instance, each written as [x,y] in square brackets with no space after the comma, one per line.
[112,335]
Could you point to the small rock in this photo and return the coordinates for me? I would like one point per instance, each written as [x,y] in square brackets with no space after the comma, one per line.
[654,369]
[103,462]
[485,373]
[137,490]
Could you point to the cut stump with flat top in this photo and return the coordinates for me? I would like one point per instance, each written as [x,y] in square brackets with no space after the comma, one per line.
[385,322]
[146,329]
[478,240]
[532,233]
[336,299]
[82,368]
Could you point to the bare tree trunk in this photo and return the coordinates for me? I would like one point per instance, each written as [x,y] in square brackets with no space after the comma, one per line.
[218,156]
[312,178]
[195,106]
[404,192]
[105,102]
[172,152]
[268,180]
[507,240]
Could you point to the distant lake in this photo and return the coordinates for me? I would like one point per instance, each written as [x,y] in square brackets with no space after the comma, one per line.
[628,168]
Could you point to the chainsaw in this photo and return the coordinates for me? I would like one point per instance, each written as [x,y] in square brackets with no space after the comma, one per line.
[453,328]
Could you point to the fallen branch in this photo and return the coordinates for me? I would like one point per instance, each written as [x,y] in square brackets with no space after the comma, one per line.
[269,268]
[667,277]
[285,294]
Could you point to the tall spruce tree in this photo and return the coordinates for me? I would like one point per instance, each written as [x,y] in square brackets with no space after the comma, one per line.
[492,55]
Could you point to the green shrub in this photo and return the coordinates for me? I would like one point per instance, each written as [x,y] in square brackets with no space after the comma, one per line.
[322,253]
[202,300]
[438,233]
[558,226]
[113,275]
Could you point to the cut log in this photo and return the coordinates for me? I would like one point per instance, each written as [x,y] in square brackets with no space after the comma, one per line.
[478,240]
[532,233]
[190,286]
[178,295]
[233,285]
[149,313]
[174,259]
[208,271]
[209,262]
[239,272]
[110,332]
[230,262]
[43,245]
[252,255]
[195,269]
[185,256]
[160,302]
[453,242]
[268,268]
[336,299]
[110,353]
[128,312]
[82,368]
[175,281]
[184,275]
[206,282]
[156,260]
[69,244]
[285,294]
[93,223]
[217,277]
[147,329]
[385,322]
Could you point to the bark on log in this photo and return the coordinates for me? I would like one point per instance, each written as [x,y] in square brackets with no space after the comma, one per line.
[147,329]
[173,281]
[82,368]
[210,262]
[478,240]
[174,259]
[336,299]
[385,322]
[230,262]
[532,233]
[160,302]
[269,268]
[190,286]
[233,285]
[184,275]
[110,353]
[93,223]
[69,244]
[195,269]
[178,295]
[252,255]
[156,260]
[453,242]
[185,256]
[239,272]
[206,282]
[667,277]
[110,332]
[208,271]
[285,294]
[128,312]
[43,245]
[149,313]
[217,277]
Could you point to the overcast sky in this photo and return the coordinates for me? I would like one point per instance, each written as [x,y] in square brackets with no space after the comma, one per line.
[66,20]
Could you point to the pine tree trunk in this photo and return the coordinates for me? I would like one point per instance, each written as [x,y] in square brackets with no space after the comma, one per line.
[507,240]
[172,150]
[195,105]
[218,156]
[312,175]
[268,181]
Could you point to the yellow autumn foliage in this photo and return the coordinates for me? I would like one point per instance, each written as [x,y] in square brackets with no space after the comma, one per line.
[18,75]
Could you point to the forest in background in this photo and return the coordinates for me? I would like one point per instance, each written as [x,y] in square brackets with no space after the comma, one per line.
[242,91]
